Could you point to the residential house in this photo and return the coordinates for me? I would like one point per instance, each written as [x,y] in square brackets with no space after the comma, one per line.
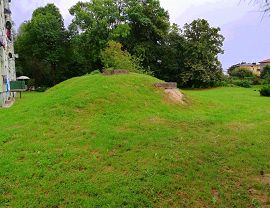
[254,67]
[264,63]
[7,57]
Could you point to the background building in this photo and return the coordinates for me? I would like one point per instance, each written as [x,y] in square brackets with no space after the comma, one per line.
[254,67]
[264,63]
[7,57]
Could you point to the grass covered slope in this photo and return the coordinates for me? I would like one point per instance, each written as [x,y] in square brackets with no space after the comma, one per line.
[98,141]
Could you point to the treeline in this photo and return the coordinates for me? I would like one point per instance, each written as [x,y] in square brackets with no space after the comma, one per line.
[50,53]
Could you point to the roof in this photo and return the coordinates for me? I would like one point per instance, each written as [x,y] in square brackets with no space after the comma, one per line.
[265,61]
[248,64]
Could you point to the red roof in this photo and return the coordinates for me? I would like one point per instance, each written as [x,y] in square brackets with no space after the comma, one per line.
[265,61]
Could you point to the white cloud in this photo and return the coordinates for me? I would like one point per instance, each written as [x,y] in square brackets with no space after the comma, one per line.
[177,7]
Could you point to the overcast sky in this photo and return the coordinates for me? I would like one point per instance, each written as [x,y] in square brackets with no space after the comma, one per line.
[245,28]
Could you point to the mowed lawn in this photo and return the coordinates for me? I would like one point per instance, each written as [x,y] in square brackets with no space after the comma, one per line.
[116,141]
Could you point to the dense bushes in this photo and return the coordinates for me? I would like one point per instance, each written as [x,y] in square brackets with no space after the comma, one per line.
[242,73]
[242,83]
[266,73]
[114,57]
[265,91]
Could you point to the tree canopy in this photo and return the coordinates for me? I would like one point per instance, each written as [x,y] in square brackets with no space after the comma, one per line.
[42,40]
[187,55]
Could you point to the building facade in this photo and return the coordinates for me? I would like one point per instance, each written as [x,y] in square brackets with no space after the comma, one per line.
[7,56]
[264,63]
[253,67]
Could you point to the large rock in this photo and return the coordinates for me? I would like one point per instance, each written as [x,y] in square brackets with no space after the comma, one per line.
[115,72]
[166,85]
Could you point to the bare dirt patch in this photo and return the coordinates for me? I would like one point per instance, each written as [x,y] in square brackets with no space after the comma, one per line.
[175,95]
[266,179]
[260,197]
[238,126]
[215,194]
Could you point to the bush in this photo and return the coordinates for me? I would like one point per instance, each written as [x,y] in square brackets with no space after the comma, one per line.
[265,81]
[265,91]
[31,82]
[257,81]
[242,73]
[41,89]
[242,83]
[114,57]
[95,72]
[266,73]
[223,83]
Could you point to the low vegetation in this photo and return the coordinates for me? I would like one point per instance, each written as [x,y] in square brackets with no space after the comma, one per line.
[116,141]
[114,57]
[266,73]
[243,77]
[265,91]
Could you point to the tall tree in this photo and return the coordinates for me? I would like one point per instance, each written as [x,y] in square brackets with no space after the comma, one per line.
[149,24]
[139,25]
[202,46]
[44,39]
[171,56]
[93,25]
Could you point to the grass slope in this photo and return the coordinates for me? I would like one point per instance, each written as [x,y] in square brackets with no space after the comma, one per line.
[99,141]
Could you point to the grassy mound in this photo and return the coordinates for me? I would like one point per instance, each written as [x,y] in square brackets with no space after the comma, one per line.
[98,141]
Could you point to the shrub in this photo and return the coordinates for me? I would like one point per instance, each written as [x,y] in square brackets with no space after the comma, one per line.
[95,72]
[242,73]
[31,82]
[41,89]
[257,81]
[242,83]
[266,72]
[265,91]
[223,83]
[265,81]
[114,57]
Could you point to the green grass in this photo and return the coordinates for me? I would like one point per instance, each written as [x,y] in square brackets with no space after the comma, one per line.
[98,141]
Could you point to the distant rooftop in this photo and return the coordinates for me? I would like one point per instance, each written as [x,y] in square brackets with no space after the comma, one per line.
[248,64]
[265,61]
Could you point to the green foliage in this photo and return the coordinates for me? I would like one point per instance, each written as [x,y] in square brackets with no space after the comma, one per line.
[242,83]
[116,58]
[257,81]
[95,72]
[232,68]
[265,91]
[42,41]
[93,24]
[41,89]
[265,74]
[202,46]
[138,25]
[265,81]
[31,82]
[245,82]
[50,54]
[242,73]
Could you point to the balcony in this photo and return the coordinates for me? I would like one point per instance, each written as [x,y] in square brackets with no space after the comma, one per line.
[7,11]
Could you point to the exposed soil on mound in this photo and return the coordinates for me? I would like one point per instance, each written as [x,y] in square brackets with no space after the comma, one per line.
[175,95]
